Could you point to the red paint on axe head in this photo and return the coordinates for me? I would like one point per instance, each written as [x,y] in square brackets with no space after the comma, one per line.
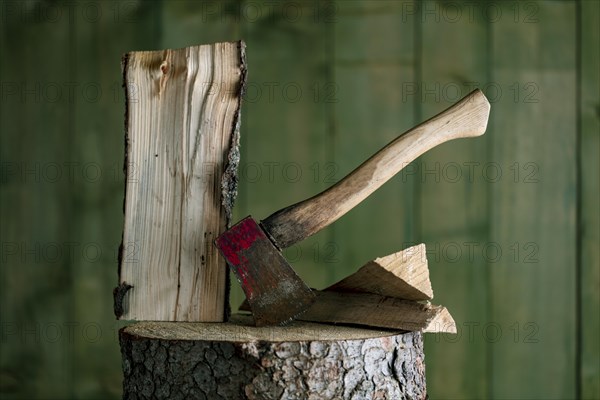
[239,237]
[233,243]
[274,291]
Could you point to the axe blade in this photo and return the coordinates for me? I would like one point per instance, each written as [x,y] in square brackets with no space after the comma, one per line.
[275,292]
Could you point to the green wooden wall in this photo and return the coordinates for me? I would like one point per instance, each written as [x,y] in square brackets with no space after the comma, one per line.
[511,219]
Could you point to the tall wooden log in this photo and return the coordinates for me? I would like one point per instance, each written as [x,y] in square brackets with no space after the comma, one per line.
[236,360]
[182,135]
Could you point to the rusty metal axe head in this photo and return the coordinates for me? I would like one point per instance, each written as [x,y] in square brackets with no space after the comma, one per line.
[274,291]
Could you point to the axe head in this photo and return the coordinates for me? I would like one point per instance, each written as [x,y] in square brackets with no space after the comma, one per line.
[275,292]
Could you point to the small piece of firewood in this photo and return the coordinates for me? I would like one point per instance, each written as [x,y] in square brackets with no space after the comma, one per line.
[373,310]
[403,275]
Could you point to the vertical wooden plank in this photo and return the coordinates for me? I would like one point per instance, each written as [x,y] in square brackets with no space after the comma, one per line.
[589,214]
[178,141]
[453,199]
[373,60]
[533,203]
[62,193]
[101,36]
[190,23]
[93,275]
[36,290]
[285,126]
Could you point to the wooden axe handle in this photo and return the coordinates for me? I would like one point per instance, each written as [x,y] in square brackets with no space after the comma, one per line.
[467,118]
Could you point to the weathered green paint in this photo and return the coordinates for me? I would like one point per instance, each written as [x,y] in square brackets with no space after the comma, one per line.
[453,205]
[369,112]
[32,209]
[96,214]
[58,333]
[352,60]
[533,289]
[284,131]
[589,217]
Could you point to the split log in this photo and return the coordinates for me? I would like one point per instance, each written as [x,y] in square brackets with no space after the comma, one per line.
[404,275]
[300,361]
[367,309]
[383,294]
[182,136]
[379,311]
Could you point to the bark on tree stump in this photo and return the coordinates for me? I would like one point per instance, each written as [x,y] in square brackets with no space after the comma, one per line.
[236,360]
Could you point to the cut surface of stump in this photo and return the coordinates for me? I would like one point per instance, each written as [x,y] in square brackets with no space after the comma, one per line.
[182,137]
[236,360]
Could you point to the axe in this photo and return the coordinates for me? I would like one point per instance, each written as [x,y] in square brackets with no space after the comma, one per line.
[275,293]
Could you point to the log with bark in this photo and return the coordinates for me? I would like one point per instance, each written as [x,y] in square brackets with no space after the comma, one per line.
[237,360]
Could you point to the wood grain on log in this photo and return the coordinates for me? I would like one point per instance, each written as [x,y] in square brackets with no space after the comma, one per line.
[299,361]
[379,311]
[182,135]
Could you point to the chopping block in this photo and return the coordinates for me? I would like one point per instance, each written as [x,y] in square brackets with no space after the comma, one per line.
[237,360]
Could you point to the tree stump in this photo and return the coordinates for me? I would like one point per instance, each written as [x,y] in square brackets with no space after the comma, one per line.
[235,360]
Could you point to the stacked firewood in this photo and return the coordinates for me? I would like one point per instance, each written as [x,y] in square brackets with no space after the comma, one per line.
[389,292]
